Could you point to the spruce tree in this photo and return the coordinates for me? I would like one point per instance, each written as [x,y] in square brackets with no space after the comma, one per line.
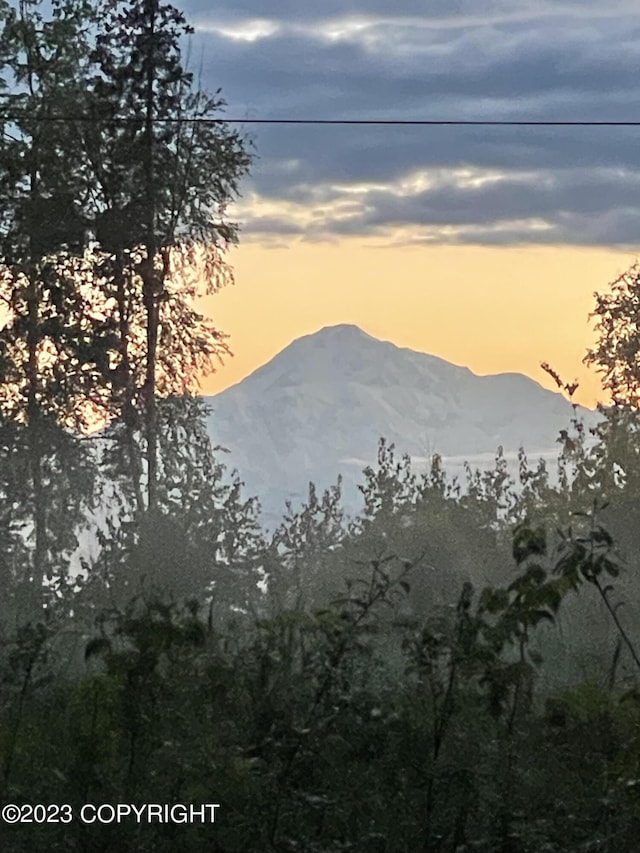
[161,169]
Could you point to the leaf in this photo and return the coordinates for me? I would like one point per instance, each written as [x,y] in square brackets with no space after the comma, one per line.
[528,541]
[602,536]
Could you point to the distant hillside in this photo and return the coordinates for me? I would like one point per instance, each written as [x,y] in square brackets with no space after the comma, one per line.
[319,407]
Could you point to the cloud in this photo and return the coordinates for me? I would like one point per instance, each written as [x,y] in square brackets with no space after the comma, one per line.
[437,12]
[460,59]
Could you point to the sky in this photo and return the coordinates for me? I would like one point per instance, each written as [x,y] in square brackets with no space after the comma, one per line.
[481,245]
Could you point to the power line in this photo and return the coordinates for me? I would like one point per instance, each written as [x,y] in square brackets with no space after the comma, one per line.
[436,122]
[337,121]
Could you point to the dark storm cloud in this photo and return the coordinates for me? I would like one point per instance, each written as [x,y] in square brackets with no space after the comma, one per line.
[428,60]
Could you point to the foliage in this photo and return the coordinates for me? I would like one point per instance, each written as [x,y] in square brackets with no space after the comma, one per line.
[113,222]
[617,352]
[333,729]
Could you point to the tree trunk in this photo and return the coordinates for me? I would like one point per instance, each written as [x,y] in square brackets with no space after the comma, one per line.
[34,433]
[151,285]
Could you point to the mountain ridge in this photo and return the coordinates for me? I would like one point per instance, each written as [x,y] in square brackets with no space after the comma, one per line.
[325,400]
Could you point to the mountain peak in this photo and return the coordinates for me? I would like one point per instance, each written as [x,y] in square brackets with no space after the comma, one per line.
[341,329]
[320,406]
[347,333]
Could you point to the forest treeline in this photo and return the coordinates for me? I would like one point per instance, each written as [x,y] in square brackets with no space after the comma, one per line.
[454,670]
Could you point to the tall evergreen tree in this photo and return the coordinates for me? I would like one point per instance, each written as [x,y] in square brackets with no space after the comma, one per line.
[45,317]
[161,170]
[114,175]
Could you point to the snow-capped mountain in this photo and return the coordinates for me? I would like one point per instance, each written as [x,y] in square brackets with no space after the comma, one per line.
[320,406]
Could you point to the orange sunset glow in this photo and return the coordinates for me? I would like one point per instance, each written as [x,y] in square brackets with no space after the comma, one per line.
[491,309]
